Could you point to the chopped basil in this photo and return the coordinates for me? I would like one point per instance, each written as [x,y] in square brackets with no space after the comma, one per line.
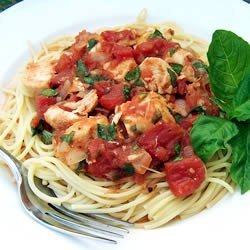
[81,165]
[156,117]
[46,137]
[172,51]
[49,92]
[156,33]
[81,70]
[92,80]
[126,92]
[38,129]
[199,110]
[106,132]
[138,83]
[91,44]
[128,169]
[177,117]
[135,147]
[177,149]
[133,128]
[68,137]
[134,74]
[200,65]
[178,158]
[176,67]
[172,76]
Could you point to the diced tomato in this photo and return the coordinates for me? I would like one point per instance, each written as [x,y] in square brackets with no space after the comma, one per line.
[113,98]
[64,63]
[35,122]
[185,176]
[139,178]
[187,122]
[122,52]
[181,86]
[116,36]
[160,140]
[62,77]
[156,47]
[96,59]
[102,88]
[42,103]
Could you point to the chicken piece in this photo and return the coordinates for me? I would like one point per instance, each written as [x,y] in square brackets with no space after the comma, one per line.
[84,106]
[142,112]
[121,69]
[58,118]
[37,75]
[155,75]
[180,56]
[82,132]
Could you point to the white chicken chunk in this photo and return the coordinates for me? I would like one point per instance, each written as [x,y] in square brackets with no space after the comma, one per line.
[58,118]
[37,75]
[143,111]
[120,70]
[180,56]
[84,106]
[155,75]
[82,132]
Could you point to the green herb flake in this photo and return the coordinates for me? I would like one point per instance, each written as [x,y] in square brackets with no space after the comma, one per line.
[126,92]
[172,76]
[177,149]
[38,129]
[134,74]
[178,158]
[177,68]
[92,80]
[200,65]
[49,92]
[46,137]
[91,44]
[172,51]
[81,165]
[128,169]
[138,83]
[133,128]
[156,33]
[135,147]
[199,110]
[106,132]
[68,137]
[177,117]
[81,70]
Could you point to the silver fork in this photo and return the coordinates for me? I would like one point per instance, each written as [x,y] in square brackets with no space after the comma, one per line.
[95,226]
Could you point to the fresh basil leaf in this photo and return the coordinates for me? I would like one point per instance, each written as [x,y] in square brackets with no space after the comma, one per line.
[229,62]
[106,132]
[177,117]
[135,147]
[68,137]
[38,129]
[81,69]
[176,67]
[199,110]
[241,101]
[49,92]
[92,80]
[178,158]
[172,76]
[46,137]
[91,44]
[209,134]
[138,83]
[240,169]
[172,51]
[200,65]
[222,105]
[156,33]
[133,128]
[177,149]
[134,74]
[128,169]
[81,165]
[126,92]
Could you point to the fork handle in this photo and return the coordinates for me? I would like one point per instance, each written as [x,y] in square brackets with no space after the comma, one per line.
[13,164]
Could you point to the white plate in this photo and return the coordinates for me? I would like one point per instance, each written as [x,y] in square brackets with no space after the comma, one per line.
[225,226]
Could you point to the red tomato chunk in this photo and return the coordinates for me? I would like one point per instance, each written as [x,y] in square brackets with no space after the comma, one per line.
[43,103]
[185,176]
[160,141]
[116,36]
